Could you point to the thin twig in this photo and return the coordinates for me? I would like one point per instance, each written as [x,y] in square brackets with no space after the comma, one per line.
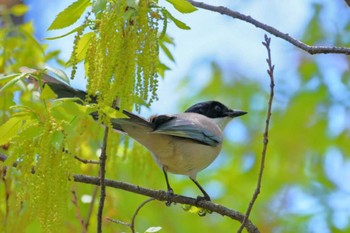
[88,217]
[103,158]
[75,203]
[132,225]
[270,70]
[86,160]
[285,36]
[119,222]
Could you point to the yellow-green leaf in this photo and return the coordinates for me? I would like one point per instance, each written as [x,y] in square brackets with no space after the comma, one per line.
[177,22]
[10,129]
[112,113]
[13,80]
[47,93]
[182,5]
[19,9]
[66,34]
[83,46]
[69,15]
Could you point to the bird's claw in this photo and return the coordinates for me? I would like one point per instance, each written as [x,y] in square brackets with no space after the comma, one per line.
[170,195]
[200,198]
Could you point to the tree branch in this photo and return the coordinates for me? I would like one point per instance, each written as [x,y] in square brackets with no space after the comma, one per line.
[103,158]
[270,70]
[285,36]
[162,196]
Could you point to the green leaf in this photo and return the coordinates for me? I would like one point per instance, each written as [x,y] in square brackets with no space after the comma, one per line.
[7,78]
[98,6]
[14,80]
[32,131]
[167,52]
[183,6]
[10,129]
[69,15]
[83,46]
[58,73]
[47,93]
[66,34]
[19,9]
[177,22]
[57,139]
[162,68]
[66,109]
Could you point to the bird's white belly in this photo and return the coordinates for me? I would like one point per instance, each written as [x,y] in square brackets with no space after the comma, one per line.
[180,156]
[186,157]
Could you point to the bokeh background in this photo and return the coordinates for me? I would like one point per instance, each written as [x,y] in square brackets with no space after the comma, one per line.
[306,184]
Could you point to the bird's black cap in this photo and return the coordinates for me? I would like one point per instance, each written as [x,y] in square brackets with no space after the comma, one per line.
[214,109]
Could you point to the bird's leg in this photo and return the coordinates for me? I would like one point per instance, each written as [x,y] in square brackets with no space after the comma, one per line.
[170,191]
[206,196]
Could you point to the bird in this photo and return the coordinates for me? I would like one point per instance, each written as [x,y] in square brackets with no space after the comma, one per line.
[183,143]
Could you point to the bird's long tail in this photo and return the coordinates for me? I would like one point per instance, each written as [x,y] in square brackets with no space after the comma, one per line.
[63,90]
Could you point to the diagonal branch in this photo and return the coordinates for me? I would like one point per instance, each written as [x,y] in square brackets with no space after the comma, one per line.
[162,196]
[285,36]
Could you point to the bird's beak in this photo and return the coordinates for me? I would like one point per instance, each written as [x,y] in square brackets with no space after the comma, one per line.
[236,113]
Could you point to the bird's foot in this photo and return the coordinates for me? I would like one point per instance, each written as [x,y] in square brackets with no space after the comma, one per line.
[200,198]
[203,212]
[170,195]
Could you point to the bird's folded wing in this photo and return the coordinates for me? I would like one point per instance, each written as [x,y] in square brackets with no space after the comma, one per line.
[186,129]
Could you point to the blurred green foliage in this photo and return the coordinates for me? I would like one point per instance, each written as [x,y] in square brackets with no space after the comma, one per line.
[305,183]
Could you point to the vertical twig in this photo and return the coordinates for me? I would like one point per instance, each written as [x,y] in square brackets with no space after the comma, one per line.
[103,158]
[75,203]
[270,70]
[88,217]
[7,193]
[132,224]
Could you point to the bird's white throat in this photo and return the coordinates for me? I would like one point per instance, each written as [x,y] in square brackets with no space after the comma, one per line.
[222,121]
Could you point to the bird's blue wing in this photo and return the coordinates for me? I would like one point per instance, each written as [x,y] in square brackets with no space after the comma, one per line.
[186,129]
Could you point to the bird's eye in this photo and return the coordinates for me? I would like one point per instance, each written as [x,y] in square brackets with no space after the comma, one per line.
[217,108]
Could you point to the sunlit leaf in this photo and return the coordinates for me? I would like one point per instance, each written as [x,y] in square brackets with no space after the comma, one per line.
[10,129]
[57,139]
[59,73]
[83,46]
[66,34]
[183,6]
[13,80]
[177,22]
[69,15]
[19,9]
[47,93]
[98,6]
[167,52]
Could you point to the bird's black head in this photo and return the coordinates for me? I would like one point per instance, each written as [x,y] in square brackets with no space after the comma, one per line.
[214,109]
